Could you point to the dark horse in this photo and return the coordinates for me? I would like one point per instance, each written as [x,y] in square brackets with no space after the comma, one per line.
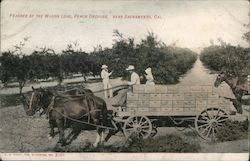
[238,88]
[76,106]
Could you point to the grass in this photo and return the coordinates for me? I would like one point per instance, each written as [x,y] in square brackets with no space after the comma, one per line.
[168,143]
[10,100]
[233,130]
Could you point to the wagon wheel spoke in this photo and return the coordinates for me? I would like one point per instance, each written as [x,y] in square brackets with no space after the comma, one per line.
[144,123]
[130,129]
[212,109]
[205,129]
[136,120]
[208,132]
[145,131]
[213,133]
[223,120]
[220,124]
[130,125]
[222,116]
[204,116]
[141,120]
[207,114]
[217,114]
[204,125]
[144,127]
[202,121]
[140,134]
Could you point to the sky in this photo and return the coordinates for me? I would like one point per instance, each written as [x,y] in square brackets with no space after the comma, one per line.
[189,24]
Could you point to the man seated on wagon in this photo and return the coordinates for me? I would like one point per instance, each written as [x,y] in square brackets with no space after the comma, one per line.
[134,80]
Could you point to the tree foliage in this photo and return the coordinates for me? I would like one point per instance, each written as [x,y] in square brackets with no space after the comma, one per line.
[167,62]
[225,57]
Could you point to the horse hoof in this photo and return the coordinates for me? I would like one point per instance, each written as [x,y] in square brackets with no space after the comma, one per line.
[61,144]
[104,143]
[95,145]
[50,137]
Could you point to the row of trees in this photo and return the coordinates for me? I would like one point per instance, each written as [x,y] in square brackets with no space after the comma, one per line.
[226,57]
[167,62]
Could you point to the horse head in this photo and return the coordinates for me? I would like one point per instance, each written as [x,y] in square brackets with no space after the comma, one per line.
[34,102]
[220,78]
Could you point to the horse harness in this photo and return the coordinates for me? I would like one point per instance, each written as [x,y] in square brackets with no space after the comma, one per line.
[51,108]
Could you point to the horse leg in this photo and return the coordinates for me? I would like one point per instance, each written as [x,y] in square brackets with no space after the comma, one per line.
[237,104]
[111,133]
[52,131]
[73,134]
[98,137]
[60,123]
[114,131]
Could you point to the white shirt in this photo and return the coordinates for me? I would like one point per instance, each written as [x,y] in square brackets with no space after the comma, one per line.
[105,75]
[135,79]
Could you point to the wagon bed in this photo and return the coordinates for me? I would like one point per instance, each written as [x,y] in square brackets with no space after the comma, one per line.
[173,100]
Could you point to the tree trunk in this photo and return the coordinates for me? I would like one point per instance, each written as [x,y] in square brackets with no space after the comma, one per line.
[84,77]
[5,84]
[59,81]
[21,85]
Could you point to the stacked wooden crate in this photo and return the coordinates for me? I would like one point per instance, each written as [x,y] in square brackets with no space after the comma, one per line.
[163,98]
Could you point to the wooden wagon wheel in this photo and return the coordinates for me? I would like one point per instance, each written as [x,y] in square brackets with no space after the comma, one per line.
[208,121]
[140,126]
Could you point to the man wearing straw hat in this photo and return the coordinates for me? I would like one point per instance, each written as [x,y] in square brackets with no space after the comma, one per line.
[105,80]
[134,79]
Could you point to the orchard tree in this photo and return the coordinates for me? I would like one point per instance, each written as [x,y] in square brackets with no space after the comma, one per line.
[22,66]
[74,60]
[123,54]
[40,63]
[22,71]
[8,62]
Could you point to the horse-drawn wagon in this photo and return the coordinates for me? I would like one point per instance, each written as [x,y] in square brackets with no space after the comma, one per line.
[148,107]
[197,106]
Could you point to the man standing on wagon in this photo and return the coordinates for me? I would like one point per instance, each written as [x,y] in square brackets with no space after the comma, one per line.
[105,80]
[134,80]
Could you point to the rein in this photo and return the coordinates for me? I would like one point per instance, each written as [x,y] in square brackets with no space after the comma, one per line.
[124,86]
[31,100]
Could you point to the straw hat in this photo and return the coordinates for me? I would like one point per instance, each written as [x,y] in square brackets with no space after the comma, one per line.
[148,70]
[104,66]
[130,67]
